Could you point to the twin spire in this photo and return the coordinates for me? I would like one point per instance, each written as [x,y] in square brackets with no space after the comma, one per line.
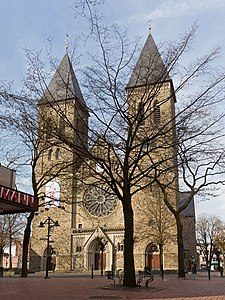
[149,69]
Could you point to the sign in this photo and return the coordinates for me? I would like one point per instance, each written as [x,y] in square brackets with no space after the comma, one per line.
[14,196]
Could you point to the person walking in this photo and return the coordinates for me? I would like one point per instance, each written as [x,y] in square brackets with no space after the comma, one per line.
[193,267]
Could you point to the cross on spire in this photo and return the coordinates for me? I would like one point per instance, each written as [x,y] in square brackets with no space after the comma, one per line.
[67,42]
[149,25]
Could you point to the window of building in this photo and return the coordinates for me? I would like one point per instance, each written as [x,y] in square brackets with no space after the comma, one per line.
[156,113]
[50,154]
[57,153]
[120,246]
[48,129]
[141,113]
[62,126]
[52,194]
[78,249]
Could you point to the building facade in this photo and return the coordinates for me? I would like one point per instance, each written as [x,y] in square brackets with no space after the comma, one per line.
[91,231]
[16,255]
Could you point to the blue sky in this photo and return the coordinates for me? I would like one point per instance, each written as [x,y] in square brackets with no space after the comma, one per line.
[27,23]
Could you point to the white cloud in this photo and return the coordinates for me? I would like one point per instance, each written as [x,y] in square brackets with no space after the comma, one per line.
[176,8]
[180,8]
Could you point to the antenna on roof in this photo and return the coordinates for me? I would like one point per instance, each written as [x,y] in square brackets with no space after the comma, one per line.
[67,42]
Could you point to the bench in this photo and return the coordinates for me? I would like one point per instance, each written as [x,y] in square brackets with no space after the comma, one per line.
[109,274]
[119,274]
[146,276]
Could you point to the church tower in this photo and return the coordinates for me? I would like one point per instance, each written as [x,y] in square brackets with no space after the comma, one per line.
[63,116]
[151,101]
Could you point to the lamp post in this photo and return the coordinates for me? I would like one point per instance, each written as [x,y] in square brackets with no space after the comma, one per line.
[50,223]
[208,259]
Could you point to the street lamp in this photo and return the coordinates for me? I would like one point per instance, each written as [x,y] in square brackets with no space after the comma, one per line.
[207,255]
[50,223]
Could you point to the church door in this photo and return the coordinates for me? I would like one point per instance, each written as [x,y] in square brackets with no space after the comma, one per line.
[152,258]
[153,261]
[100,261]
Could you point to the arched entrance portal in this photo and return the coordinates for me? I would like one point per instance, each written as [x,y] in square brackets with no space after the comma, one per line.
[98,250]
[152,259]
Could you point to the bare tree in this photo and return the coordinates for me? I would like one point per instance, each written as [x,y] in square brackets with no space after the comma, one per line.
[32,146]
[16,224]
[209,237]
[183,142]
[199,129]
[140,144]
[127,148]
[156,222]
[127,144]
[11,227]
[4,238]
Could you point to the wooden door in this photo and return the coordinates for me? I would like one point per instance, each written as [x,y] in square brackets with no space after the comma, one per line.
[153,261]
[100,258]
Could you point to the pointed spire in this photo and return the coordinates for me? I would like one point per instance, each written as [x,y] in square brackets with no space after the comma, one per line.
[150,67]
[64,84]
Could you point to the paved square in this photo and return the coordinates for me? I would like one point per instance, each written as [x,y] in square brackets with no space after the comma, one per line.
[71,286]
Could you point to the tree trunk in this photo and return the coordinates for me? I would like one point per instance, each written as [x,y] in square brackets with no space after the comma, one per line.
[10,251]
[129,270]
[10,243]
[209,271]
[180,244]
[1,256]
[161,260]
[26,241]
[208,266]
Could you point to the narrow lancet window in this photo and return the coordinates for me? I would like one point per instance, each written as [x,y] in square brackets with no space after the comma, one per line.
[140,113]
[50,154]
[156,113]
[57,153]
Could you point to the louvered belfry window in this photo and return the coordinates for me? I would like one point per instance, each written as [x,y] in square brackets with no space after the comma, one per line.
[156,113]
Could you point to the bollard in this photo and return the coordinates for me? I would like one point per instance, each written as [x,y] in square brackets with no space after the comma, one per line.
[92,272]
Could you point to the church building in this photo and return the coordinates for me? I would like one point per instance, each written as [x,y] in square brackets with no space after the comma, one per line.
[90,217]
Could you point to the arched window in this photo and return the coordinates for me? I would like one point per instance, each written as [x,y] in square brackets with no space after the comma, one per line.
[156,113]
[52,194]
[50,154]
[48,128]
[62,126]
[57,153]
[140,113]
[78,249]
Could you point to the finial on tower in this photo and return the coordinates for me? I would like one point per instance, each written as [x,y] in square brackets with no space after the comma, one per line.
[149,25]
[67,42]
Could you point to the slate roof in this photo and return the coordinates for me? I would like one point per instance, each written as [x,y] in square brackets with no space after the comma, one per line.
[64,84]
[189,211]
[150,67]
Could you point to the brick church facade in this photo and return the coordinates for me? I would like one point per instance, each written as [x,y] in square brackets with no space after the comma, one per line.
[91,231]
